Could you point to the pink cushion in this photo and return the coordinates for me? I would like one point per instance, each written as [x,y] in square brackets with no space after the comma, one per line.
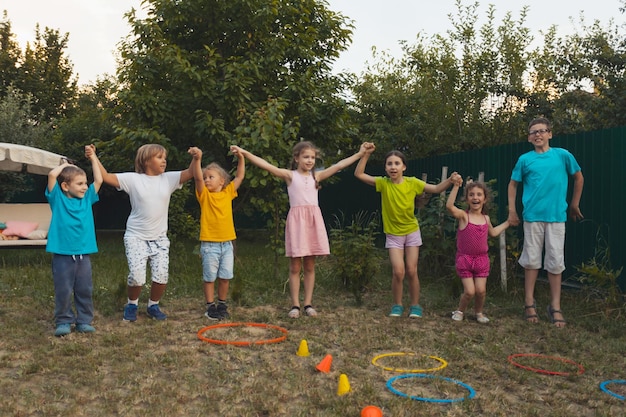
[18,228]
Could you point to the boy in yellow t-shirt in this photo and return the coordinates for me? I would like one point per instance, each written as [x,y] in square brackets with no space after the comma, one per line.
[215,193]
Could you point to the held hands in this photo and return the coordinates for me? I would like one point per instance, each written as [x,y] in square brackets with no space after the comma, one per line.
[90,151]
[456,179]
[367,148]
[237,151]
[195,152]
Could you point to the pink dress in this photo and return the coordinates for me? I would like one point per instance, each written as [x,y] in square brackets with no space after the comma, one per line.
[305,231]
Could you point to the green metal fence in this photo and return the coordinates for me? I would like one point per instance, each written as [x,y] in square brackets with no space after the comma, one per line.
[601,155]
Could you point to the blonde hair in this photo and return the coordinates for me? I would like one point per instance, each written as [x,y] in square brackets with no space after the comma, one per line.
[221,171]
[146,153]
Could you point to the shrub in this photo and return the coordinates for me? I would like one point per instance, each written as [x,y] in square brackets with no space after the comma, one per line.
[355,258]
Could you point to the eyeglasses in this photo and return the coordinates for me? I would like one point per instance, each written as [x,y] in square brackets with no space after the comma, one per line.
[540,131]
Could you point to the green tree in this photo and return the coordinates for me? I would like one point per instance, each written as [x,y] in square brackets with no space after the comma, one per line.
[16,126]
[10,55]
[47,74]
[193,70]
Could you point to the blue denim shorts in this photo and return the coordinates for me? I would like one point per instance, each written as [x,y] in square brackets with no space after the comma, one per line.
[218,259]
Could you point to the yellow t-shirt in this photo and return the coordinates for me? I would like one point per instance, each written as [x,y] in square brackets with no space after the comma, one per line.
[216,214]
[398,204]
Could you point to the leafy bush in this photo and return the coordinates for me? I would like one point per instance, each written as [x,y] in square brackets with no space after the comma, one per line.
[355,258]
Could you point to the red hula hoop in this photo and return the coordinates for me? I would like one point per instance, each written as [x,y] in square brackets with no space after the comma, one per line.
[243,342]
[511,358]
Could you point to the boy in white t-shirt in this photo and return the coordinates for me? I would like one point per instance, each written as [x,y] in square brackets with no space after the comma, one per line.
[145,239]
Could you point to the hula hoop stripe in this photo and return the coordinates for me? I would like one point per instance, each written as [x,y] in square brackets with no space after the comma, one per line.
[384,355]
[242,342]
[511,359]
[613,381]
[471,391]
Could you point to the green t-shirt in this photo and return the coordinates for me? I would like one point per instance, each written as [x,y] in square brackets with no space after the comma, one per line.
[398,203]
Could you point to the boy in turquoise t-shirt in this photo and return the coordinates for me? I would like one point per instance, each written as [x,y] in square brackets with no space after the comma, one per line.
[544,173]
[71,239]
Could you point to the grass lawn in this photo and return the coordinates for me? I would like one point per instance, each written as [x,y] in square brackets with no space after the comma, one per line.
[150,368]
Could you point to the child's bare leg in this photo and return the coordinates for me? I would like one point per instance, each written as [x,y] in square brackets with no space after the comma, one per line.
[530,278]
[411,255]
[480,284]
[555,297]
[157,290]
[309,279]
[134,292]
[222,288]
[295,264]
[468,293]
[396,256]
[209,291]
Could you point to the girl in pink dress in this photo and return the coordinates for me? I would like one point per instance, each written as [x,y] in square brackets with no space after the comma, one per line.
[305,232]
[472,258]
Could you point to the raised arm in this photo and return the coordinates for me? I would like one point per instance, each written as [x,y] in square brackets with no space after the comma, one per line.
[54,174]
[90,153]
[577,192]
[442,186]
[456,212]
[359,171]
[241,167]
[512,194]
[196,168]
[282,173]
[187,174]
[344,163]
[109,179]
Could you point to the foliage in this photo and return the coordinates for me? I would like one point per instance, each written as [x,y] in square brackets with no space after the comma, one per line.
[600,276]
[478,86]
[266,133]
[181,224]
[438,230]
[355,258]
[189,71]
[16,126]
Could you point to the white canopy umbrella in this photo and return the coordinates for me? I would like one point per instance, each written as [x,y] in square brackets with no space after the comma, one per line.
[20,158]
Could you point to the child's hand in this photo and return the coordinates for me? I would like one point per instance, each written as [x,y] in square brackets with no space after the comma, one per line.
[90,151]
[236,150]
[457,179]
[369,147]
[195,152]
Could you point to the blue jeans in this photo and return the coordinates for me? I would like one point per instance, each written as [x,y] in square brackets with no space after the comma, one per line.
[72,275]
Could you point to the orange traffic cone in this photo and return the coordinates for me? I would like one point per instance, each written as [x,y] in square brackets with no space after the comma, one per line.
[344,385]
[324,365]
[303,350]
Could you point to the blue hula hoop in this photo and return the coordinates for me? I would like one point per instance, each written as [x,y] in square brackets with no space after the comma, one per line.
[471,391]
[608,391]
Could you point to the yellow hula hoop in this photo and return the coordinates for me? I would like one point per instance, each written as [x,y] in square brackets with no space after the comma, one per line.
[385,355]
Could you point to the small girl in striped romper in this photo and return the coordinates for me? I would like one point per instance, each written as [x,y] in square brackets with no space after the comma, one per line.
[472,259]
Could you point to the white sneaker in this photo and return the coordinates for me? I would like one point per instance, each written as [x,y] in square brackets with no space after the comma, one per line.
[457,315]
[481,318]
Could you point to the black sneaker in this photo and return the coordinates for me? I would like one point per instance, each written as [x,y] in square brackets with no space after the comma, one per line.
[212,313]
[222,310]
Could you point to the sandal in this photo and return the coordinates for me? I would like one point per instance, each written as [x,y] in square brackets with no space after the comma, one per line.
[310,311]
[531,318]
[554,321]
[457,315]
[294,313]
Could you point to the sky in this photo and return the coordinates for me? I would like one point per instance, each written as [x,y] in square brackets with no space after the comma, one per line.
[96,26]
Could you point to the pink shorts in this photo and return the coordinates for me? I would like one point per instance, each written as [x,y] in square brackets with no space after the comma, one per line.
[401,242]
[471,266]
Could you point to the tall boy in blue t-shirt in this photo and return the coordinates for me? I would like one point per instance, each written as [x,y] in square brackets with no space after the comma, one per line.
[71,239]
[544,173]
